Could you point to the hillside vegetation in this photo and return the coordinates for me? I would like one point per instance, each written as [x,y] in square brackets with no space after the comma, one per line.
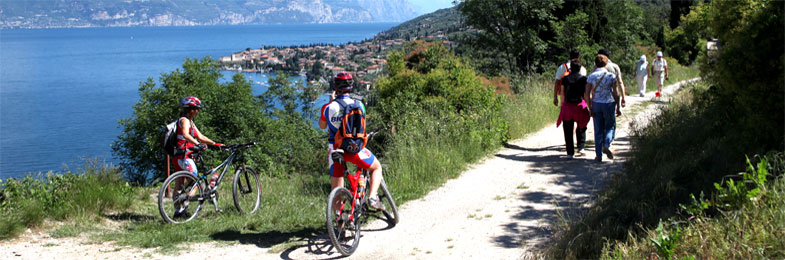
[443,108]
[682,181]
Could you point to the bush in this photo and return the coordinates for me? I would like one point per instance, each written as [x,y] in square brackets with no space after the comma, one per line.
[232,115]
[27,202]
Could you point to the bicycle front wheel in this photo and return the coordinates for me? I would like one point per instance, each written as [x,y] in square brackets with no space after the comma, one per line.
[344,232]
[179,199]
[246,190]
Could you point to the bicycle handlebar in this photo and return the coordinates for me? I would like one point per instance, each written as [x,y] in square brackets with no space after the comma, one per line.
[196,149]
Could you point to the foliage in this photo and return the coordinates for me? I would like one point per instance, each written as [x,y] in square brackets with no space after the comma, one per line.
[666,240]
[732,194]
[232,115]
[93,191]
[748,69]
[687,40]
[738,110]
[513,28]
[531,36]
[752,229]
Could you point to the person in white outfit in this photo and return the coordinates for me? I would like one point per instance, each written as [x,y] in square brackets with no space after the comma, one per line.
[659,68]
[642,74]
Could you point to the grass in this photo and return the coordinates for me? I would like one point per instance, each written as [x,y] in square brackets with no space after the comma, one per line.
[752,231]
[531,111]
[292,209]
[685,150]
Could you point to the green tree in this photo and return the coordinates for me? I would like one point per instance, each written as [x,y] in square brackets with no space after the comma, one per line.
[686,41]
[748,72]
[513,28]
[232,115]
[138,145]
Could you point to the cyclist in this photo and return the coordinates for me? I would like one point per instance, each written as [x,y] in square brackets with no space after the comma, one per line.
[188,137]
[331,119]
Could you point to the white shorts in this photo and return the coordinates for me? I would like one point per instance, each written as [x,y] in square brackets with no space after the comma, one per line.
[187,164]
[660,75]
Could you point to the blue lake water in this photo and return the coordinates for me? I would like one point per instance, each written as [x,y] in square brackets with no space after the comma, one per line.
[63,91]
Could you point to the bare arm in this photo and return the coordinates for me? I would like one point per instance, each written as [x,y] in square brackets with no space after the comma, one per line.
[184,131]
[556,92]
[587,95]
[322,123]
[666,71]
[203,138]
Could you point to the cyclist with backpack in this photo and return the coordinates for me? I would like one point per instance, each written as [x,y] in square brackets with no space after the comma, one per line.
[188,139]
[334,118]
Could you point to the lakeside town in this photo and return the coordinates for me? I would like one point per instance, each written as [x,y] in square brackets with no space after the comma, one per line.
[318,62]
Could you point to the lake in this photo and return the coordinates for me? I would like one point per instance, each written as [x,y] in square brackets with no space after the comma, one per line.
[63,91]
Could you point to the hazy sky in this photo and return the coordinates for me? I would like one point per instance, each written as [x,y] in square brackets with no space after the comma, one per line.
[428,6]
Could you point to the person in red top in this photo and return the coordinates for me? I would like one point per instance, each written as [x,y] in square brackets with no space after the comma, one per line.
[188,137]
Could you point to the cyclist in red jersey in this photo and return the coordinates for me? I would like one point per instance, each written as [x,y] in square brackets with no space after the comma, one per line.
[331,119]
[188,136]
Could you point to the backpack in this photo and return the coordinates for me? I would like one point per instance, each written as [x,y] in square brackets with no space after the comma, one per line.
[574,88]
[169,139]
[351,136]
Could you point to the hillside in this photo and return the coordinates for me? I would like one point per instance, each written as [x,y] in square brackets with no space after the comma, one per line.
[444,22]
[114,13]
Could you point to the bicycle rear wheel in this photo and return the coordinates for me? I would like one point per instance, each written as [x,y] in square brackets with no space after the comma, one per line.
[184,204]
[343,232]
[390,210]
[246,190]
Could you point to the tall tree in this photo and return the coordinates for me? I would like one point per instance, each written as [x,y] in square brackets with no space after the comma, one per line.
[513,28]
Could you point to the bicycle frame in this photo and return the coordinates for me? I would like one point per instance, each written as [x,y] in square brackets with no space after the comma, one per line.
[226,164]
[354,181]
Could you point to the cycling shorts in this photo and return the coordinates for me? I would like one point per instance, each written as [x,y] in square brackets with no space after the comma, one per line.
[364,159]
[182,163]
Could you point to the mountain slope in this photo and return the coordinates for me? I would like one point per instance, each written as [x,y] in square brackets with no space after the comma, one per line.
[100,13]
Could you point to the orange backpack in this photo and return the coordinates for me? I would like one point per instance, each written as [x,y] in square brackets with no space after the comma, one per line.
[351,136]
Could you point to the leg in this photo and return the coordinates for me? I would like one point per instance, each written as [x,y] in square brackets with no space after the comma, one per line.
[641,85]
[609,121]
[366,160]
[612,125]
[645,78]
[376,177]
[567,126]
[336,170]
[598,128]
[580,135]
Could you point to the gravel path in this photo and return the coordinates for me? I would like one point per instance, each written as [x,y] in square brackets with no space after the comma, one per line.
[502,207]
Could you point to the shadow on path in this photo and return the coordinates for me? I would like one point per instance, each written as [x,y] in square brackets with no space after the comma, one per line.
[580,178]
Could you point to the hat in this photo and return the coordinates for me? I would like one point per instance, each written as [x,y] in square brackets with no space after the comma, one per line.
[643,57]
[574,54]
[605,52]
[659,54]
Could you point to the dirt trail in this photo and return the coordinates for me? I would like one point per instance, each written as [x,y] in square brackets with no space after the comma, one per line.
[502,207]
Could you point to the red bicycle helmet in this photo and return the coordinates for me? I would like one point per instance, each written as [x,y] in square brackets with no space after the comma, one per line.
[191,101]
[343,82]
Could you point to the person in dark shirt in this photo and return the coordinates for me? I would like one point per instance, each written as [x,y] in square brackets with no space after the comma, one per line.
[574,111]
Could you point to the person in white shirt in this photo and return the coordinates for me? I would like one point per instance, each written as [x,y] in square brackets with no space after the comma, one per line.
[659,68]
[642,74]
[563,68]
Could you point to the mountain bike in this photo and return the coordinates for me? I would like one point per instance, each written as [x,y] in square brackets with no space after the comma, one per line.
[348,209]
[183,189]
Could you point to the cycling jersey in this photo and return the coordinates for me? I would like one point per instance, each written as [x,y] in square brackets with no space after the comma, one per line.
[184,162]
[333,114]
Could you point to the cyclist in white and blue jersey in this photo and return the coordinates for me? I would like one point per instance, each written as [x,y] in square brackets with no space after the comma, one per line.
[331,116]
